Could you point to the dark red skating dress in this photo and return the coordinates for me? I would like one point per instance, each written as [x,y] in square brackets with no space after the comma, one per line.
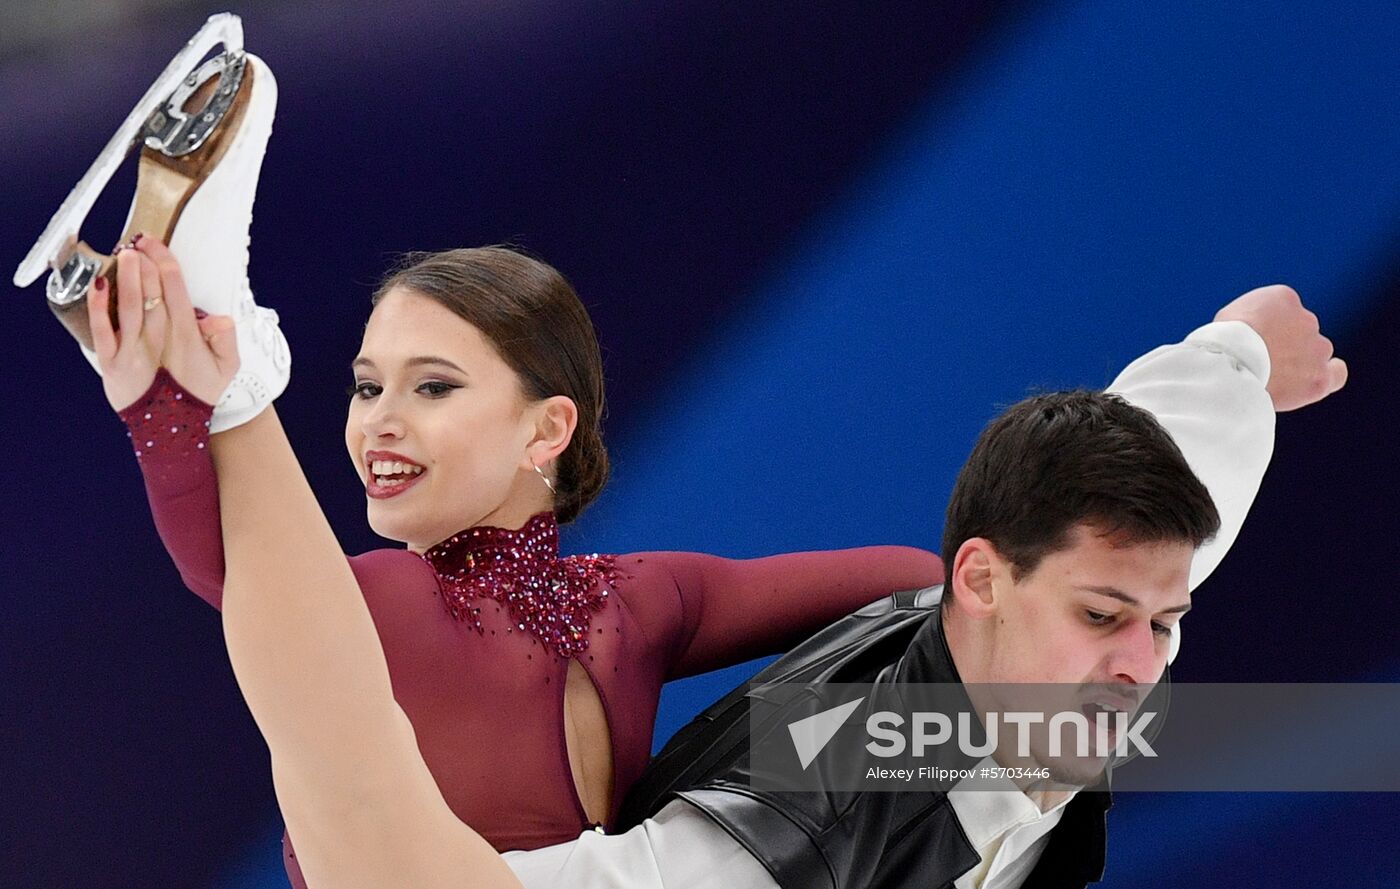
[478,631]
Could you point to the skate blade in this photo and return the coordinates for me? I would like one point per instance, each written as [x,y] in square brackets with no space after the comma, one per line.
[164,185]
[182,150]
[55,244]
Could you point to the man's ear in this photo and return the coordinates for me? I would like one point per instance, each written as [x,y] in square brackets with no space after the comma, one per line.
[976,566]
[555,420]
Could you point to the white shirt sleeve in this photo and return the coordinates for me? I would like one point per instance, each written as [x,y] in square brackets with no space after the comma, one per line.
[1208,392]
[679,848]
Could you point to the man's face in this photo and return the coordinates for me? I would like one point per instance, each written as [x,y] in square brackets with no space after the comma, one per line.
[1096,613]
[1087,631]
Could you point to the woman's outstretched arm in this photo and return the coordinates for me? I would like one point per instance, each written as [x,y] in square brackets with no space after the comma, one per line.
[351,782]
[734,610]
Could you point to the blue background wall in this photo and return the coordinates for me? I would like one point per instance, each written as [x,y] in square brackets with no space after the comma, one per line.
[821,245]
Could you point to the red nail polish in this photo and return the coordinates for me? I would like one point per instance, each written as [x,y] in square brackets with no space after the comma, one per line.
[201,314]
[100,285]
[136,239]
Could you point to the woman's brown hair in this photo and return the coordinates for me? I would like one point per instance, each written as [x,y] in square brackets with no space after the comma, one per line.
[531,314]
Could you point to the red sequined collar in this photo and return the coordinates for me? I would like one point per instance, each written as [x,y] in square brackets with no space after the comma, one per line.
[551,598]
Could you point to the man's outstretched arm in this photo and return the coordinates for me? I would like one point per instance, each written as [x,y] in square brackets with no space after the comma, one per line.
[1217,391]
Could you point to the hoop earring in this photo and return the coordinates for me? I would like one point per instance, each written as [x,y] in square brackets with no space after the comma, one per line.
[547,483]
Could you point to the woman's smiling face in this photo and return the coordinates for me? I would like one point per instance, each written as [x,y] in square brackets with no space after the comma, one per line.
[438,426]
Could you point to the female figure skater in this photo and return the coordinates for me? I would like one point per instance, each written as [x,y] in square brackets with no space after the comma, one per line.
[531,681]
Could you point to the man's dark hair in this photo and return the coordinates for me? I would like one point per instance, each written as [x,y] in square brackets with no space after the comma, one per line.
[1057,460]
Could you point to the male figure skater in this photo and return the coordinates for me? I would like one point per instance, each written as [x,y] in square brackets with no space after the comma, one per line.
[1069,543]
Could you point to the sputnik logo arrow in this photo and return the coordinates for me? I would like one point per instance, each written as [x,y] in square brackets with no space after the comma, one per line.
[812,733]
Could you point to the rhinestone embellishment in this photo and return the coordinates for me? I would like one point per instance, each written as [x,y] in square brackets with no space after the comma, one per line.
[551,598]
[164,425]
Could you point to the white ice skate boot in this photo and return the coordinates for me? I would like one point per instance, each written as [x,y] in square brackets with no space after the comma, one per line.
[204,129]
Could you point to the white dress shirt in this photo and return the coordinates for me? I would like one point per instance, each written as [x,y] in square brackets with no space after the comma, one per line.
[1008,831]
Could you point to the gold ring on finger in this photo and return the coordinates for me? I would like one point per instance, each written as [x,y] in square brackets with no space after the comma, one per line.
[151,302]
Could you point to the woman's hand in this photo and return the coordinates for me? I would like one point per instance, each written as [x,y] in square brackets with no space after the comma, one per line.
[158,327]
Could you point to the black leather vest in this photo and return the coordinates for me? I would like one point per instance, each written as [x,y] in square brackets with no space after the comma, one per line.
[808,840]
